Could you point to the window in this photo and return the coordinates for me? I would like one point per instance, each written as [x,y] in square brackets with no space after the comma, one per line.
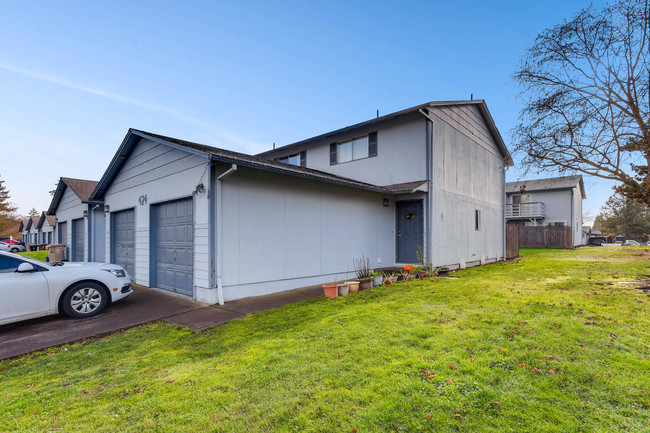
[299,159]
[8,264]
[351,150]
[477,219]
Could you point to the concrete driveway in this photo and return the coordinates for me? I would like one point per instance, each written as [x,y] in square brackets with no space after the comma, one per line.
[144,305]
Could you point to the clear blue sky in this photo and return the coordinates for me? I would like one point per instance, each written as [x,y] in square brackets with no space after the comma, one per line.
[74,76]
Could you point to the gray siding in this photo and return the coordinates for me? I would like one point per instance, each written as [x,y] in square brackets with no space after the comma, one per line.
[400,154]
[467,176]
[70,207]
[160,173]
[281,233]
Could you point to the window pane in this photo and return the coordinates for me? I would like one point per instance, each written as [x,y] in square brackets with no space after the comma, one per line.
[360,148]
[344,152]
[294,159]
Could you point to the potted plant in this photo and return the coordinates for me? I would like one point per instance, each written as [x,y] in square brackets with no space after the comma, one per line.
[331,290]
[353,286]
[363,271]
[343,289]
[376,279]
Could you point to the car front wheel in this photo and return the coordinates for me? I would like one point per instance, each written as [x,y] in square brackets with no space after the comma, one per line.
[14,250]
[84,299]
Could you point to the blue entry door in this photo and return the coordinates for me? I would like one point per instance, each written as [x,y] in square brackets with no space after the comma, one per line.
[410,229]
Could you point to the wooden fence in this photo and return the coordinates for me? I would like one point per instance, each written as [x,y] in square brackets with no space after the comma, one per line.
[512,241]
[545,237]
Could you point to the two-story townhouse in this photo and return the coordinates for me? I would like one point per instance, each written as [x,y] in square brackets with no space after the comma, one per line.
[219,225]
[79,221]
[451,156]
[544,202]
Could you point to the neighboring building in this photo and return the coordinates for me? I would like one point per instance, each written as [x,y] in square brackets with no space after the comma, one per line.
[220,225]
[79,220]
[32,230]
[22,228]
[543,202]
[45,227]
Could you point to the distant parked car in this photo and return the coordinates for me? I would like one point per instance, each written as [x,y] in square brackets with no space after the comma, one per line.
[11,248]
[597,243]
[632,243]
[30,288]
[10,241]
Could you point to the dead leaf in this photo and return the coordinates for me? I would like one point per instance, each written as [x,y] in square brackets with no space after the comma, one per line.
[495,403]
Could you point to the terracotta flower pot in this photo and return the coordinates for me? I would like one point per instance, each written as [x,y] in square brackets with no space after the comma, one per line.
[422,274]
[365,283]
[343,289]
[331,290]
[354,286]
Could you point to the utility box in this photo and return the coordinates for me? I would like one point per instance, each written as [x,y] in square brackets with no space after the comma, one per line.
[56,252]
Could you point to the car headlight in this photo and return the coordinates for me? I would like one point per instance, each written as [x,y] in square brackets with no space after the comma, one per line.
[119,273]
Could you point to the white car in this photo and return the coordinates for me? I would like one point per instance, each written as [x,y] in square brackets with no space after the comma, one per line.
[12,248]
[632,243]
[30,288]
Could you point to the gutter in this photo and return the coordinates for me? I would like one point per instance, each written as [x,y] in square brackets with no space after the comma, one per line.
[219,261]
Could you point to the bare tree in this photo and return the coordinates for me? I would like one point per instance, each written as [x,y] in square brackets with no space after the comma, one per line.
[585,88]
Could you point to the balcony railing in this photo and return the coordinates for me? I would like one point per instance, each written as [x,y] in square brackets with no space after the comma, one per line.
[533,210]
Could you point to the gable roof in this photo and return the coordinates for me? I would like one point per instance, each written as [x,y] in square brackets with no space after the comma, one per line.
[32,221]
[81,187]
[548,184]
[133,136]
[23,224]
[480,103]
[44,217]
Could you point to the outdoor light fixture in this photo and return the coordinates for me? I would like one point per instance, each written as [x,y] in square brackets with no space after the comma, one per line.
[107,208]
[386,202]
[85,214]
[199,188]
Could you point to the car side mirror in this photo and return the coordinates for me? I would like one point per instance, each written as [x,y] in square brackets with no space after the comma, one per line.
[25,267]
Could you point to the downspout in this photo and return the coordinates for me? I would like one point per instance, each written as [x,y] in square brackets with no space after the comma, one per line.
[219,260]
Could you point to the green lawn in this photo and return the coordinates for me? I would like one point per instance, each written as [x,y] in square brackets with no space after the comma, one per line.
[38,255]
[549,343]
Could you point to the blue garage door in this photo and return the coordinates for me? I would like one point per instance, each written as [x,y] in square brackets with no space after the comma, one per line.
[78,239]
[123,240]
[173,246]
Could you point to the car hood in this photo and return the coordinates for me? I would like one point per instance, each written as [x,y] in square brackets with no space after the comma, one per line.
[88,265]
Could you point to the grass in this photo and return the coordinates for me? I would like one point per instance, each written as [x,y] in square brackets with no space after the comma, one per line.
[38,255]
[552,342]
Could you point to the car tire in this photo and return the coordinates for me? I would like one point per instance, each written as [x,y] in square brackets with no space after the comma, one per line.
[14,250]
[85,299]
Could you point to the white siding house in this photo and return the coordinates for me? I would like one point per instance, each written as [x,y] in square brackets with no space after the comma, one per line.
[45,227]
[79,221]
[32,230]
[220,225]
[543,202]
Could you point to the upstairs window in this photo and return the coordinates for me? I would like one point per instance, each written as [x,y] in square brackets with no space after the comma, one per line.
[351,150]
[299,159]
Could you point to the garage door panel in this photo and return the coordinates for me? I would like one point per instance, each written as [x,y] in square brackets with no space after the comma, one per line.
[123,240]
[78,237]
[173,246]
